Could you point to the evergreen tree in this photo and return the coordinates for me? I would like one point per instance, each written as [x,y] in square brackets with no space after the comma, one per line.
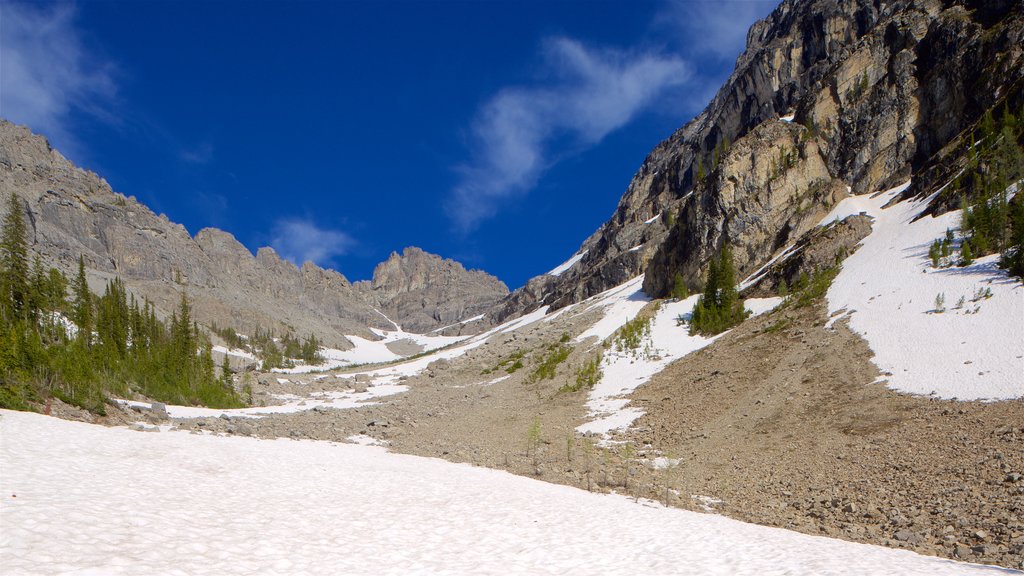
[679,289]
[720,307]
[82,308]
[14,258]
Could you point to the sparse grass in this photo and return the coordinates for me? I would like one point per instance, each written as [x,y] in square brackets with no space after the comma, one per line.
[509,364]
[808,289]
[777,326]
[587,376]
[557,353]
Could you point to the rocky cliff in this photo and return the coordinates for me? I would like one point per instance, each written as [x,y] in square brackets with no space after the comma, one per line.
[831,97]
[422,291]
[73,212]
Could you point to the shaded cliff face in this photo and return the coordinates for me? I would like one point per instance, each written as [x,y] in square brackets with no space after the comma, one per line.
[875,90]
[73,212]
[422,292]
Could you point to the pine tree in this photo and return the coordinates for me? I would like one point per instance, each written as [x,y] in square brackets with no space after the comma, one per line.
[679,289]
[82,308]
[225,372]
[720,307]
[14,258]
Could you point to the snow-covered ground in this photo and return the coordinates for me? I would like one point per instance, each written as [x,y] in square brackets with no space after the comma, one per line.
[338,399]
[82,499]
[366,351]
[623,371]
[236,352]
[888,287]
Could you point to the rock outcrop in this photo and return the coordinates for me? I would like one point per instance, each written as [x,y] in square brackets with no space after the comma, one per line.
[72,212]
[831,97]
[422,292]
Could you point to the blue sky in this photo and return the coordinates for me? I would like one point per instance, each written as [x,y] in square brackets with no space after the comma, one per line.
[497,133]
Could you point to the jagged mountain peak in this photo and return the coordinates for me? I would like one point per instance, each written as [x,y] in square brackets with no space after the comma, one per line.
[422,291]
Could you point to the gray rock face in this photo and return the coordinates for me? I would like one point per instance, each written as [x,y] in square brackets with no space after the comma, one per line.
[815,251]
[877,89]
[73,212]
[422,292]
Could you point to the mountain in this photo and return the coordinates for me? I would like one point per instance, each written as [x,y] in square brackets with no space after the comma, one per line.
[830,98]
[73,212]
[422,290]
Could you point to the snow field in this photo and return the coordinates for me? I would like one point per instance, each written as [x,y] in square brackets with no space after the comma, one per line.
[366,351]
[888,288]
[334,399]
[82,499]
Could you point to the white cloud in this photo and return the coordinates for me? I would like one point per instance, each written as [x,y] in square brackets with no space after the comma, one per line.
[299,240]
[46,71]
[713,27]
[593,93]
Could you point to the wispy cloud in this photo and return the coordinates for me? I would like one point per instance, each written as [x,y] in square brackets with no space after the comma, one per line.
[300,240]
[711,27]
[47,72]
[199,154]
[591,93]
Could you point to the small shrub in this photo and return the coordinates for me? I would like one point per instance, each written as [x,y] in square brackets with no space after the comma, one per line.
[587,376]
[632,334]
[557,354]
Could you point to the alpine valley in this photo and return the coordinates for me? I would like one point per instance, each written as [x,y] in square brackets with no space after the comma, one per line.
[804,319]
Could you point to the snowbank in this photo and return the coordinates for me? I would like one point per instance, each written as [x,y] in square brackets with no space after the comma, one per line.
[83,499]
[558,270]
[889,288]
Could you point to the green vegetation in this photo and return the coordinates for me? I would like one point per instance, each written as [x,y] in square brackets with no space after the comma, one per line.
[807,289]
[509,364]
[587,376]
[720,307]
[787,159]
[118,346]
[633,334]
[545,370]
[990,223]
[857,90]
[679,289]
[533,436]
[777,326]
[274,352]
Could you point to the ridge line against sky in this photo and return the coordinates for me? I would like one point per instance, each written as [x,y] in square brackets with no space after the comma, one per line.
[287,125]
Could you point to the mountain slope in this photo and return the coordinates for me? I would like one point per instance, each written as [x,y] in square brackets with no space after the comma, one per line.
[831,97]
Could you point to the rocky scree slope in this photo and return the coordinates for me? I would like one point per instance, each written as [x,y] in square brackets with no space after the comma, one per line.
[73,212]
[831,97]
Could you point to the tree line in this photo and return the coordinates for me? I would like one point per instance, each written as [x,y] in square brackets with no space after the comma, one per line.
[82,347]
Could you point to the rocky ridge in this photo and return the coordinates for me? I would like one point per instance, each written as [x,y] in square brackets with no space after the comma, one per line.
[73,212]
[423,291]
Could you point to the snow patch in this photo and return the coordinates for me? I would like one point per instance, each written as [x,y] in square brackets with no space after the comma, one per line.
[889,288]
[558,270]
[339,400]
